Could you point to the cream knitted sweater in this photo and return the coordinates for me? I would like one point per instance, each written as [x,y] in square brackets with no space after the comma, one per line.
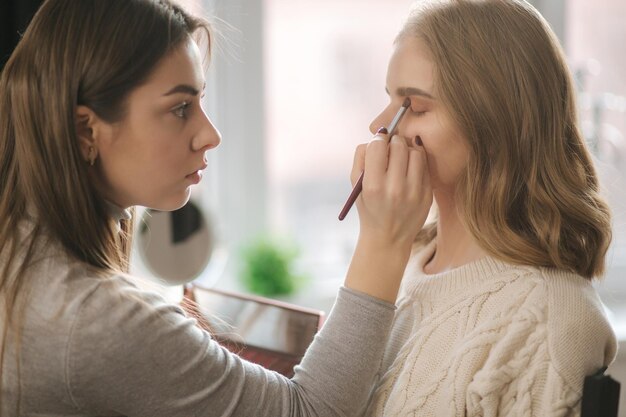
[491,339]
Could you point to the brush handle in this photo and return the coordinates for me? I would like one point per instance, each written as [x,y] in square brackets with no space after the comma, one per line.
[358,187]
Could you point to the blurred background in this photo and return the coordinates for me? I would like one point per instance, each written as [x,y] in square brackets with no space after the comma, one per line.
[293,86]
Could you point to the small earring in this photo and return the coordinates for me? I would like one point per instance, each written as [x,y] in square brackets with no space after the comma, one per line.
[92,155]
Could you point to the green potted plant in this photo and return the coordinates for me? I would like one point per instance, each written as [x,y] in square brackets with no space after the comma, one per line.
[268,268]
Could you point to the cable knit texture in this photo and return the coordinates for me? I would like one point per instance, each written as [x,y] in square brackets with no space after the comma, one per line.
[491,339]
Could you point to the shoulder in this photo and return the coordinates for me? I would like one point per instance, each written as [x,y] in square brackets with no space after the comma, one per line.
[581,339]
[575,318]
[123,334]
[575,311]
[555,332]
[578,335]
[82,304]
[116,308]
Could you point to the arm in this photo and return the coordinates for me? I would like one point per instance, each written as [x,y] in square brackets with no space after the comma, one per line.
[132,353]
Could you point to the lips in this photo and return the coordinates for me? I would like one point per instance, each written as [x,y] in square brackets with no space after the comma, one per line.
[201,168]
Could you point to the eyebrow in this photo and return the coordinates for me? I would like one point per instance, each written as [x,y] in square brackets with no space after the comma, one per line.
[184,88]
[411,91]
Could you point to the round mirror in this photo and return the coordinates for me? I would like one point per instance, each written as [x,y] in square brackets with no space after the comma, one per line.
[176,246]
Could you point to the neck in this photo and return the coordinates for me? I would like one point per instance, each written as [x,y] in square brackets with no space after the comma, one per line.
[454,245]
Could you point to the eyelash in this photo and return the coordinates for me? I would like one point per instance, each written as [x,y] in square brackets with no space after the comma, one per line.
[181,110]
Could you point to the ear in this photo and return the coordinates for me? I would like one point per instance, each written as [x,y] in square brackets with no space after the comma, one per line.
[87,126]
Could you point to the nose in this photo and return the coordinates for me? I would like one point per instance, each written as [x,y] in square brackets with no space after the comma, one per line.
[208,137]
[382,120]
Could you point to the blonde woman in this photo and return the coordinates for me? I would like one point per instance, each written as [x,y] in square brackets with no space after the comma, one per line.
[497,313]
[99,112]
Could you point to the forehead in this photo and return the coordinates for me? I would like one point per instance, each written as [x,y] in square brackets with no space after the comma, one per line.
[182,65]
[411,65]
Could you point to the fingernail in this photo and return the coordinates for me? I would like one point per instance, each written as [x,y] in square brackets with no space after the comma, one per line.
[418,141]
[382,131]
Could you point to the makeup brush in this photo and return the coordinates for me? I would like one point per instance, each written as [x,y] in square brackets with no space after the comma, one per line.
[358,187]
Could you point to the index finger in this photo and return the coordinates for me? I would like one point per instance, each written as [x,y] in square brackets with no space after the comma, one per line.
[376,159]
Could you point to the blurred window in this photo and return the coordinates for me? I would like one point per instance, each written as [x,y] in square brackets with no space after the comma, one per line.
[325,69]
[594,37]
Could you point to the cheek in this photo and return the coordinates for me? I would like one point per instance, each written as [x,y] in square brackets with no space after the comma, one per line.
[447,156]
[157,138]
[158,149]
[141,160]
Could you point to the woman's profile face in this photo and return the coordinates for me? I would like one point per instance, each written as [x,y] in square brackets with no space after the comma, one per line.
[153,156]
[411,74]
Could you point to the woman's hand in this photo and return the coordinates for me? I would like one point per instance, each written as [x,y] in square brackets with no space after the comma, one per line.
[393,207]
[396,195]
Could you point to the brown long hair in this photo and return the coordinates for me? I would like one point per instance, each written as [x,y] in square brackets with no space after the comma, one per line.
[530,193]
[74,52]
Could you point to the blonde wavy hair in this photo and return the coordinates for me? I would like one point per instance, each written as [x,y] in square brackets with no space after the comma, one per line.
[530,193]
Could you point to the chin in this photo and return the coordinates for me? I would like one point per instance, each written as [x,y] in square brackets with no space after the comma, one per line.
[172,202]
